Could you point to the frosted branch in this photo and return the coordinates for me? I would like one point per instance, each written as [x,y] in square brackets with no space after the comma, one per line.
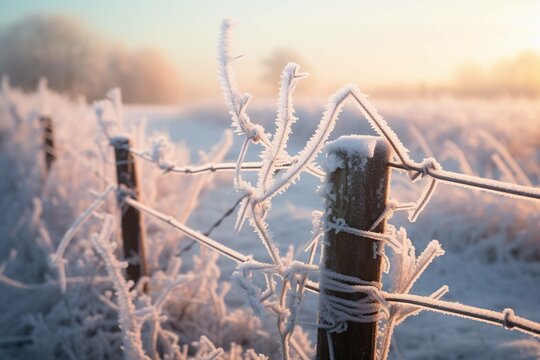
[58,257]
[235,101]
[285,119]
[129,323]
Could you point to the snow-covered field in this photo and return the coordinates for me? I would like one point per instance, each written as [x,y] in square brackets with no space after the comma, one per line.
[492,248]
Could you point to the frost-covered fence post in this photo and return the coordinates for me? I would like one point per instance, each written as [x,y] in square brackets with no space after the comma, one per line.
[47,131]
[355,197]
[132,226]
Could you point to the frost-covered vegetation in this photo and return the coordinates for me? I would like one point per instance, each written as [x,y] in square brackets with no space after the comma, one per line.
[63,292]
[62,286]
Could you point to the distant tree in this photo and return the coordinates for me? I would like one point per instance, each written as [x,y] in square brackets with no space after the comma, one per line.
[519,75]
[145,76]
[76,61]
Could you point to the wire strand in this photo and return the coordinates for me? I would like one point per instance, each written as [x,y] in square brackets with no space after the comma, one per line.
[449,177]
[474,182]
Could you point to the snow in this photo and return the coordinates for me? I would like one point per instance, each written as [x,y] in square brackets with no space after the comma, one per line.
[360,145]
[332,163]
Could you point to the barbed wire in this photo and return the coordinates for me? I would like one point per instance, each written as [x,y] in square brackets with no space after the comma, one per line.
[507,319]
[473,182]
[218,167]
[212,227]
[449,177]
[195,235]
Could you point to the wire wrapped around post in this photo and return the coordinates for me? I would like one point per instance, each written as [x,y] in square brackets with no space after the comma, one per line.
[356,194]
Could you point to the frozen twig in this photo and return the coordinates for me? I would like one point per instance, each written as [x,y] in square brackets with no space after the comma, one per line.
[58,257]
[129,323]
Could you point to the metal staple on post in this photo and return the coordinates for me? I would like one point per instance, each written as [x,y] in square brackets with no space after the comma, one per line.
[358,194]
[132,226]
[48,141]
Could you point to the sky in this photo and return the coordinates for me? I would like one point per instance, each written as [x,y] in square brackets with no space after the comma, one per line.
[370,43]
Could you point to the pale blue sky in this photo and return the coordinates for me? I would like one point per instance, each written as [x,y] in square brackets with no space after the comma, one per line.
[371,43]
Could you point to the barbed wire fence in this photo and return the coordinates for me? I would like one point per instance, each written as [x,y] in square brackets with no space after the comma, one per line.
[506,319]
[254,203]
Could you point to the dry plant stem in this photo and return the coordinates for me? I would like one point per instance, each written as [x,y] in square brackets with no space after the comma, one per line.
[505,170]
[460,156]
[421,140]
[58,257]
[262,229]
[505,155]
[285,119]
[298,350]
[217,155]
[238,165]
[389,330]
[284,335]
[308,154]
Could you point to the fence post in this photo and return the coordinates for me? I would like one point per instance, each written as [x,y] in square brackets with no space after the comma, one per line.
[132,226]
[358,194]
[47,131]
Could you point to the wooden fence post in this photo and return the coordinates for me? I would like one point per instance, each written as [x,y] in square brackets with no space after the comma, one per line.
[358,188]
[47,131]
[132,226]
